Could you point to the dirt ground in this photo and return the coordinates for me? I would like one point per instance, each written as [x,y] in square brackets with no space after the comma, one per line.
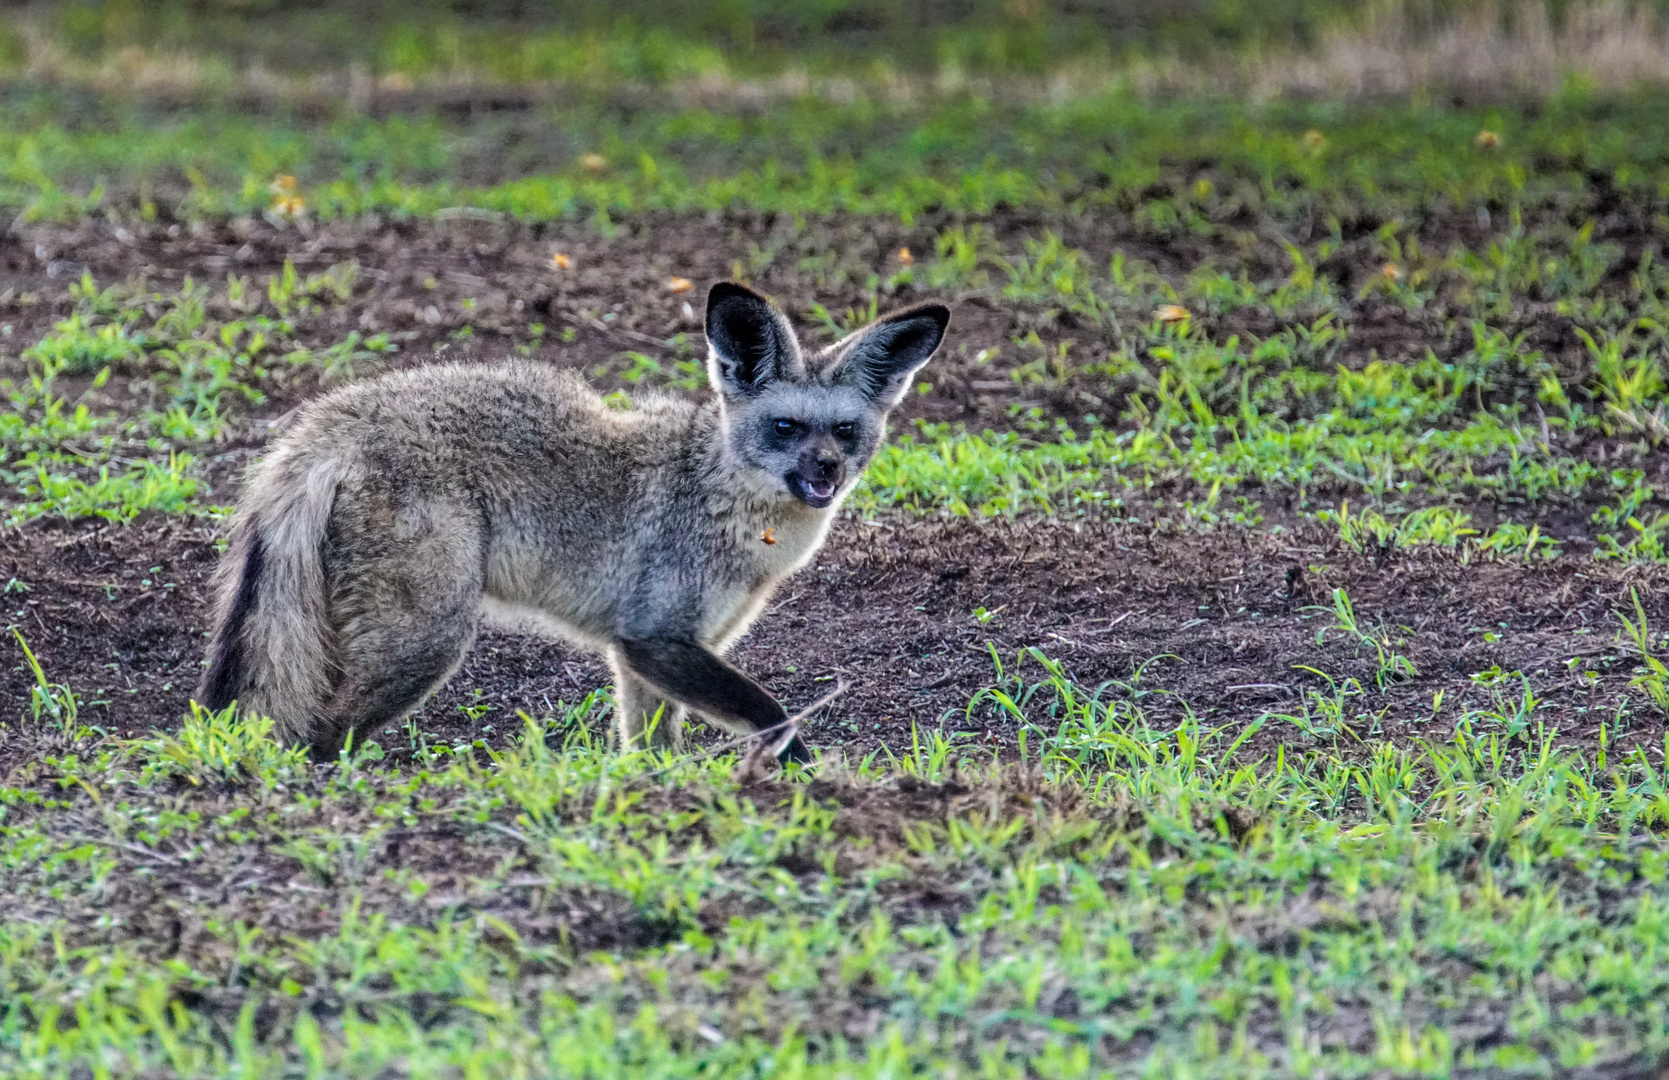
[1223,624]
[1220,623]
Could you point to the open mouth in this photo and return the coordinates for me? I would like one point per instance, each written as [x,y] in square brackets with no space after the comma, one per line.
[818,493]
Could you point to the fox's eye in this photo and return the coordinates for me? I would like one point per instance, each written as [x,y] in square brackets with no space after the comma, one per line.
[786,427]
[845,429]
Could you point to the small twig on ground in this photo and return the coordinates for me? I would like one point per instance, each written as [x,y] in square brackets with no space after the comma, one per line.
[784,731]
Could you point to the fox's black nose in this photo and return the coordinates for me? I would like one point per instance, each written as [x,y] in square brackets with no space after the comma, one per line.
[827,464]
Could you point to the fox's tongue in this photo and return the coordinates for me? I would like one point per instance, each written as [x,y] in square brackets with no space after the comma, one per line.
[822,489]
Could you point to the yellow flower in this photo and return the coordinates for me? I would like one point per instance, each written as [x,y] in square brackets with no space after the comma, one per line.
[1169,313]
[1487,140]
[1314,139]
[289,205]
[594,162]
[905,257]
[561,261]
[679,284]
[282,184]
[1391,272]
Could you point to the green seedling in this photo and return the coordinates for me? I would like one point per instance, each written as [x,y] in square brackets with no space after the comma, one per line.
[53,702]
[1390,666]
[1653,680]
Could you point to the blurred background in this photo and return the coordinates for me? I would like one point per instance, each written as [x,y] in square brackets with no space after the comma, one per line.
[1271,47]
[198,104]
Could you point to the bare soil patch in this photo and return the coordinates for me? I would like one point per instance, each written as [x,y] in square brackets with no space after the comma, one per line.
[1221,624]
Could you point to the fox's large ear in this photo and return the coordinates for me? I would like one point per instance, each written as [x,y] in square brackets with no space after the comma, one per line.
[881,358]
[748,342]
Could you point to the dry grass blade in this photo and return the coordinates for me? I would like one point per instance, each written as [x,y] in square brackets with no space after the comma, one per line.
[771,740]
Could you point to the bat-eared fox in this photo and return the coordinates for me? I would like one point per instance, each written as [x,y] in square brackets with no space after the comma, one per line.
[395,513]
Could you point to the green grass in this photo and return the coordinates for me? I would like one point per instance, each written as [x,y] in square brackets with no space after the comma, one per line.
[640,41]
[1181,169]
[1263,416]
[192,368]
[1130,897]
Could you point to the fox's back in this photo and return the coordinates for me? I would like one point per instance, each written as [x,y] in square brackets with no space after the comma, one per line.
[475,421]
[570,496]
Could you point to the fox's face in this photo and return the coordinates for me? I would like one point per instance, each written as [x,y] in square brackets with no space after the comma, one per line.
[808,425]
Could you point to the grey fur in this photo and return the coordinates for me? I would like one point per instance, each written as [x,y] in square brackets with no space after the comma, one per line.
[392,514]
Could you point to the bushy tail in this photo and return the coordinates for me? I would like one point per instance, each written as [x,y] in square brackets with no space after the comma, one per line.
[272,649]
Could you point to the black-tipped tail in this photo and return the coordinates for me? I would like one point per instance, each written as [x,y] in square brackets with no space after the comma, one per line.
[223,681]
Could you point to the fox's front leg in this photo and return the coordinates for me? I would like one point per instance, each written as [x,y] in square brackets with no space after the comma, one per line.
[643,714]
[693,674]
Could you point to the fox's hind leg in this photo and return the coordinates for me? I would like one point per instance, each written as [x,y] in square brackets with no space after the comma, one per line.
[387,672]
[637,706]
[406,608]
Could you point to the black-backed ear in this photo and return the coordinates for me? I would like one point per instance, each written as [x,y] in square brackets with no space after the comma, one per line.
[748,343]
[881,358]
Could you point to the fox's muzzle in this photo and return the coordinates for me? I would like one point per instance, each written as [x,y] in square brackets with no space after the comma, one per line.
[817,476]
